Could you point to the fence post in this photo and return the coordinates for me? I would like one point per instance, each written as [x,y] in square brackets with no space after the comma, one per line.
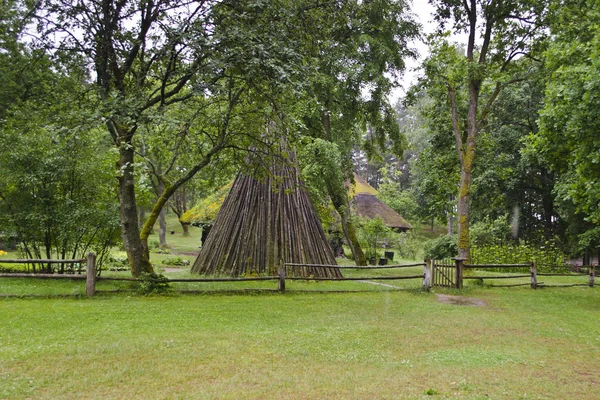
[90,275]
[458,272]
[427,275]
[592,275]
[533,271]
[281,284]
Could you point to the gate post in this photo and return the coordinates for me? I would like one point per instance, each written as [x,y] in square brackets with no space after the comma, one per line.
[427,275]
[90,275]
[458,272]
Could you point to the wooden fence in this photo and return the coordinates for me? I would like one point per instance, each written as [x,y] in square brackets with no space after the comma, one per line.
[533,274]
[285,273]
[436,273]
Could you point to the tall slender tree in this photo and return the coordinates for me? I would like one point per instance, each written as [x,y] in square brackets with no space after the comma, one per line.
[498,32]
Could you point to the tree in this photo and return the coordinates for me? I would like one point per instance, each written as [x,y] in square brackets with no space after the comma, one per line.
[568,136]
[57,204]
[509,179]
[150,56]
[508,30]
[353,46]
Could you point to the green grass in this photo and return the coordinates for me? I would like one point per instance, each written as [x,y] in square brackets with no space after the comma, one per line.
[383,345]
[376,343]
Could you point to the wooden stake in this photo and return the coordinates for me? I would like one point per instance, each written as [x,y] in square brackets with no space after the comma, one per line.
[458,273]
[533,272]
[90,278]
[281,285]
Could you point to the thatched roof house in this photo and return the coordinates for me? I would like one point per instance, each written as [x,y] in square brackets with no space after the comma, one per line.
[367,205]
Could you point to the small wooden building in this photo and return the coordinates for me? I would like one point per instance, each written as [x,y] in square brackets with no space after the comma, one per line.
[367,205]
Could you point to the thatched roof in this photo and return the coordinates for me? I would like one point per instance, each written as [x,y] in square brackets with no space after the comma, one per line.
[367,205]
[362,186]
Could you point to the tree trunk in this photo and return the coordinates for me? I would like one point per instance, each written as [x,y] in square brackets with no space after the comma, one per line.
[463,214]
[341,205]
[467,154]
[162,222]
[137,250]
[162,229]
[186,228]
[450,224]
[142,217]
[340,202]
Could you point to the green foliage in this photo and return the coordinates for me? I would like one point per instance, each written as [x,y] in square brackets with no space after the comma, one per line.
[442,247]
[403,202]
[373,234]
[408,244]
[14,268]
[569,124]
[547,257]
[489,232]
[117,262]
[153,284]
[177,261]
[56,186]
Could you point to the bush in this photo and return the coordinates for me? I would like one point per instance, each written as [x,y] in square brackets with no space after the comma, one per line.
[372,234]
[14,268]
[117,262]
[488,232]
[153,284]
[547,257]
[442,247]
[408,245]
[177,261]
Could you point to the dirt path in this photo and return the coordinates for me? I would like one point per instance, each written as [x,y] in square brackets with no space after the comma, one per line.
[461,300]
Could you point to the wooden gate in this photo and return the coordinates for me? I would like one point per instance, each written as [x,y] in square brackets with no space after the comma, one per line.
[443,273]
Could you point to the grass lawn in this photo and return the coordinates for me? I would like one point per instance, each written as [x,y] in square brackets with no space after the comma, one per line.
[382,345]
[376,342]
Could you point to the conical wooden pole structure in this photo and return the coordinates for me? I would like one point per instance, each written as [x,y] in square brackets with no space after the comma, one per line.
[264,224]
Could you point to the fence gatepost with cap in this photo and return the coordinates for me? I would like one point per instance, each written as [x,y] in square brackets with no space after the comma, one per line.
[90,275]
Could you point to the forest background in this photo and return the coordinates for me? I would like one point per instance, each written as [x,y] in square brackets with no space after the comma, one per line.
[114,112]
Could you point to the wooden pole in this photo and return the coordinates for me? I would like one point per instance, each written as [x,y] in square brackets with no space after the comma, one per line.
[533,272]
[281,285]
[458,272]
[90,281]
[427,275]
[592,274]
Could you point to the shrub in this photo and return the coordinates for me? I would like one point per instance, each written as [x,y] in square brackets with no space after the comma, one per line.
[442,247]
[548,257]
[488,232]
[371,233]
[117,262]
[408,245]
[153,284]
[177,261]
[13,268]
